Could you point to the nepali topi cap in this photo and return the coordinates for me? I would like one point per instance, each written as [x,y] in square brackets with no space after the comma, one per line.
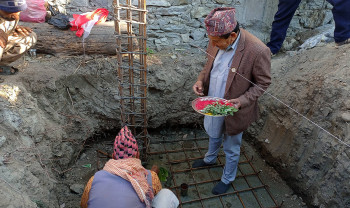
[221,21]
[125,145]
[13,6]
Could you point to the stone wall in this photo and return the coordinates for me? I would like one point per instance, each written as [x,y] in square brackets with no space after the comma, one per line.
[178,24]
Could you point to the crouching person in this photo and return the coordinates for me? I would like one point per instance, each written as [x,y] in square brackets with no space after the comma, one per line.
[15,40]
[124,182]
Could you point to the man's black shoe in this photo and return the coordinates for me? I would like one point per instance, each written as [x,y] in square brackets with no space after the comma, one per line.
[220,188]
[200,163]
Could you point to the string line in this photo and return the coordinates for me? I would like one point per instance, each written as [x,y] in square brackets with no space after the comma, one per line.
[314,123]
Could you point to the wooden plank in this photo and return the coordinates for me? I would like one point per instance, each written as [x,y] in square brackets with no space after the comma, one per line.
[52,40]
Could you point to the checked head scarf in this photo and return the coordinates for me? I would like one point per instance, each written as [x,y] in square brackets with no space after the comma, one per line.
[125,145]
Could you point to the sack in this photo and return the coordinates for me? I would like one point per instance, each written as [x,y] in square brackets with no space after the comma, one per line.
[60,21]
[35,11]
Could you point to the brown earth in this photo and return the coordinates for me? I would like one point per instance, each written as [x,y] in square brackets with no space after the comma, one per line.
[54,104]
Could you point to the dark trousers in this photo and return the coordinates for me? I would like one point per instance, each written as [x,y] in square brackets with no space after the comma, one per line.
[285,13]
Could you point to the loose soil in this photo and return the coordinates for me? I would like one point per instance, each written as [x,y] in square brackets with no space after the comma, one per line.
[57,111]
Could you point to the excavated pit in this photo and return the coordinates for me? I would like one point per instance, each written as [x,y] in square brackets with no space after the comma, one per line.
[57,111]
[174,148]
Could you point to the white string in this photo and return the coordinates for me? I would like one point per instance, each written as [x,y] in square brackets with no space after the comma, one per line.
[341,141]
[296,111]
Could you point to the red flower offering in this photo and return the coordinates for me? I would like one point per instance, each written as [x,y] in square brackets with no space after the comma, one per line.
[201,103]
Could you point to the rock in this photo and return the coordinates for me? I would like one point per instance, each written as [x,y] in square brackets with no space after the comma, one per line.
[180,2]
[267,141]
[185,38]
[157,41]
[2,160]
[326,111]
[172,11]
[9,198]
[289,44]
[174,41]
[315,40]
[346,116]
[160,3]
[77,188]
[82,156]
[80,3]
[198,34]
[153,27]
[347,104]
[199,12]
[194,23]
[2,140]
[291,53]
[223,1]
[175,29]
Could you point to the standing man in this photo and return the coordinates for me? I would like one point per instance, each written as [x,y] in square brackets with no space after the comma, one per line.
[285,13]
[233,53]
[15,40]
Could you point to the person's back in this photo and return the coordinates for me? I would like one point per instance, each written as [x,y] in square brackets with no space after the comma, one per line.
[110,190]
[124,182]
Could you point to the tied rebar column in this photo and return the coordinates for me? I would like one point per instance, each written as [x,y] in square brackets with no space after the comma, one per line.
[130,30]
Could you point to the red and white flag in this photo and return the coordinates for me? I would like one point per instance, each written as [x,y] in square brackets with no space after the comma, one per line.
[83,23]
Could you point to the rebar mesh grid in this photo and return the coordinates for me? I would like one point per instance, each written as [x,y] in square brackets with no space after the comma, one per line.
[248,190]
[130,31]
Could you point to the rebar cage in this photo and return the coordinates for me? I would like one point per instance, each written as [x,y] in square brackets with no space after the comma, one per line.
[130,31]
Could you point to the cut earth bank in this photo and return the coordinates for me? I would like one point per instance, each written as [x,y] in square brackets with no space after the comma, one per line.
[54,104]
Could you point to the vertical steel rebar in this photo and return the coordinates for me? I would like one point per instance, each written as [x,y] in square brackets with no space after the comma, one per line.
[132,69]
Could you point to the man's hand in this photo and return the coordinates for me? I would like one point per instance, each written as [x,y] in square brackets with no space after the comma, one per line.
[198,88]
[22,30]
[236,103]
[3,39]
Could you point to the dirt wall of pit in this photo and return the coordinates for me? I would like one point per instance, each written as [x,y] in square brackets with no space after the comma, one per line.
[54,104]
[316,83]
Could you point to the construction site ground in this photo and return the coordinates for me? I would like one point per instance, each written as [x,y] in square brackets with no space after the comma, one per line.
[63,100]
[171,140]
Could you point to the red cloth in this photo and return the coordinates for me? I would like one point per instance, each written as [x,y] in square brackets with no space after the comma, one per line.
[80,20]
